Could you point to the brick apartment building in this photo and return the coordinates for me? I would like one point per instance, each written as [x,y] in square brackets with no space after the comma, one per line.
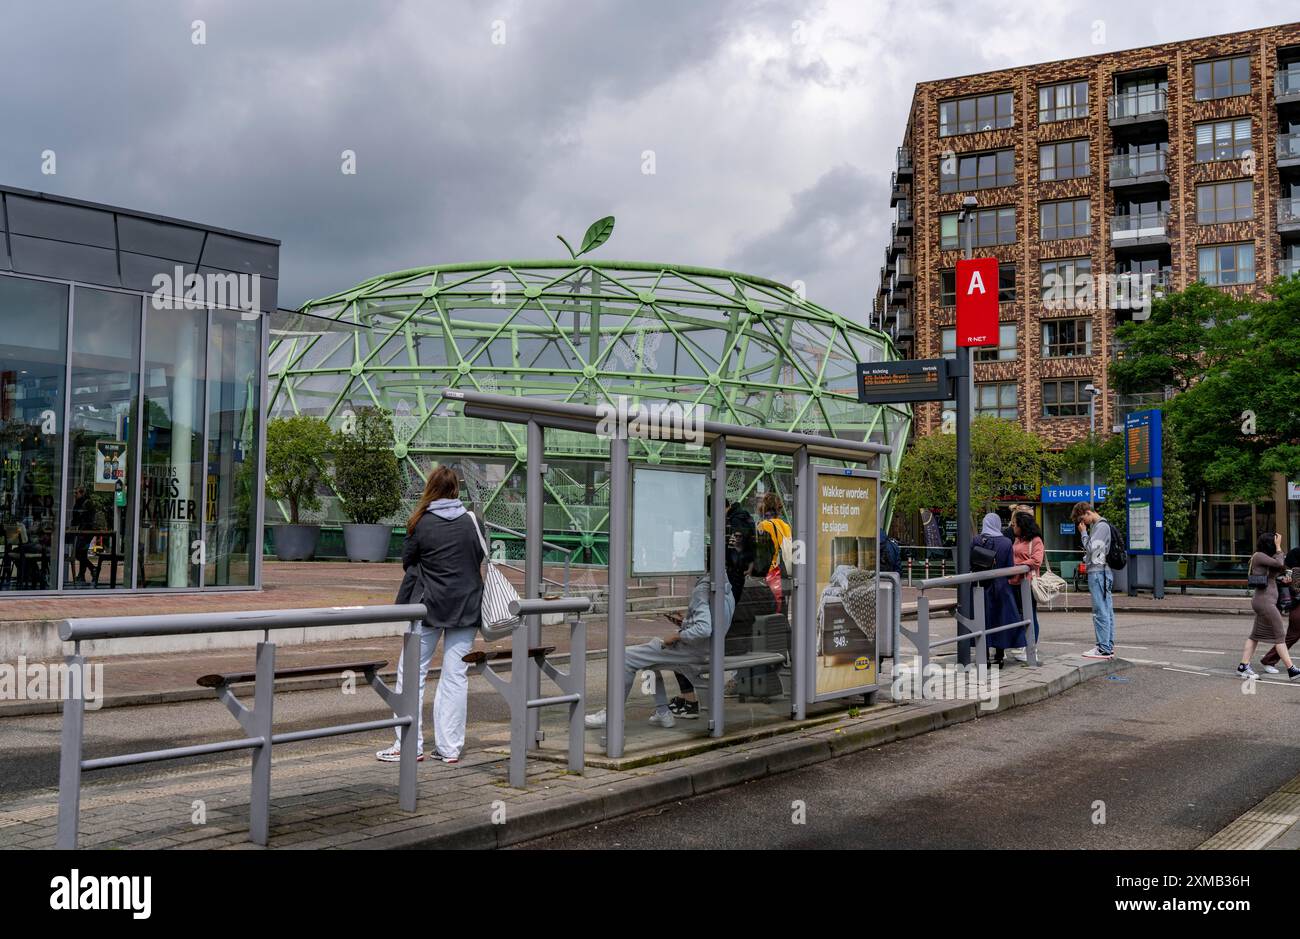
[1150,168]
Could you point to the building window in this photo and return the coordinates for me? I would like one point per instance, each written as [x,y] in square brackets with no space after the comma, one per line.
[1006,285]
[1226,264]
[977,171]
[970,115]
[1070,219]
[1066,160]
[948,342]
[1067,338]
[1065,397]
[1062,102]
[1004,351]
[1066,282]
[1222,140]
[996,399]
[1224,202]
[1222,78]
[992,227]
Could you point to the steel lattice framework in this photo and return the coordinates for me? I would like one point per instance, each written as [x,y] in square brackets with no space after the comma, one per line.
[743,349]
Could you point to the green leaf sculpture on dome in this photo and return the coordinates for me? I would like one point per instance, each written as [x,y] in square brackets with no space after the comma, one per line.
[597,234]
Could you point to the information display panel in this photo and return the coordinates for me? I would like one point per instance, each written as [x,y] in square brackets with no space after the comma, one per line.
[670,519]
[909,380]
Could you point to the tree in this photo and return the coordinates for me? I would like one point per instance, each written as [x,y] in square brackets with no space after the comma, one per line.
[295,461]
[1005,459]
[1187,334]
[367,476]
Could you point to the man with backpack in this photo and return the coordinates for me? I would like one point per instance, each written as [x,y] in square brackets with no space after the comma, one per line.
[1102,552]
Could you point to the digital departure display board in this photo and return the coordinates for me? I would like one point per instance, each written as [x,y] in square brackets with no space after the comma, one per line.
[1142,444]
[909,380]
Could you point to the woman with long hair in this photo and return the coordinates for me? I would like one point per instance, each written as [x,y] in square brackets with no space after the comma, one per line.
[443,558]
[773,533]
[1268,627]
[1027,548]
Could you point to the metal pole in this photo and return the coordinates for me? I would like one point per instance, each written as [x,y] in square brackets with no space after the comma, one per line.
[801,623]
[74,720]
[615,692]
[1092,443]
[410,734]
[259,799]
[1027,604]
[577,683]
[718,617]
[963,463]
[534,499]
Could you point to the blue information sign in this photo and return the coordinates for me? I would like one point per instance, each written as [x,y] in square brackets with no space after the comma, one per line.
[1142,445]
[1146,520]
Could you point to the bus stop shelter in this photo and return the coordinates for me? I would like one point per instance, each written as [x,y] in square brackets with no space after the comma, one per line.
[811,456]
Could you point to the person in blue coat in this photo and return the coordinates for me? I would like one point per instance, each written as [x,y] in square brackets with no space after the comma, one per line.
[999,601]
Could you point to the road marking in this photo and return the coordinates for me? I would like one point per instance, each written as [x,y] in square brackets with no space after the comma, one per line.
[1205,651]
[1186,671]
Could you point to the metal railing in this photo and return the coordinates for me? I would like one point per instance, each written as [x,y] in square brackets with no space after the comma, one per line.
[1138,226]
[1289,267]
[1288,211]
[256,721]
[1137,104]
[1135,165]
[546,545]
[1287,82]
[1288,146]
[904,159]
[977,633]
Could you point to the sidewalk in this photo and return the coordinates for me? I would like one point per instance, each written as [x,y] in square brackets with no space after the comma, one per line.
[341,796]
[1274,824]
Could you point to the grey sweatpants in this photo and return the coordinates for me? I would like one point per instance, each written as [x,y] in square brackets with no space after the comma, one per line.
[653,655]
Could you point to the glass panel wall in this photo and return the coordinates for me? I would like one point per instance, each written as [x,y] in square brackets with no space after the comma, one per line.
[98,547]
[33,358]
[234,403]
[172,461]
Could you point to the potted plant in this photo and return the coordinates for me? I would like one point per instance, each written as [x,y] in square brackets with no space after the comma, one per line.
[368,480]
[295,465]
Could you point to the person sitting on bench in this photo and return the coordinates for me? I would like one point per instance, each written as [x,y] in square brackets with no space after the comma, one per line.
[689,648]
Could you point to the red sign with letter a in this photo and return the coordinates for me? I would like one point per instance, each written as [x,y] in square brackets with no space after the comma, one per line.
[977,302]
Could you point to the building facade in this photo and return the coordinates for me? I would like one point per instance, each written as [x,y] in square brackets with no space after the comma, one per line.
[132,363]
[1130,172]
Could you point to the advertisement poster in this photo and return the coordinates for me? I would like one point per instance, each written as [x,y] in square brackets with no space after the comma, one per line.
[846,576]
[669,520]
[110,465]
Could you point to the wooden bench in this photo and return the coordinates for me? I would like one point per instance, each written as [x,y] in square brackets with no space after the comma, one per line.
[936,607]
[480,657]
[297,671]
[1220,583]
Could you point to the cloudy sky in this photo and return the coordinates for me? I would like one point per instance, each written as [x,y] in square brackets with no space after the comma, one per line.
[756,135]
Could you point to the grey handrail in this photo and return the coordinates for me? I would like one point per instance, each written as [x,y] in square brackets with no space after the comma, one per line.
[125,627]
[974,577]
[525,607]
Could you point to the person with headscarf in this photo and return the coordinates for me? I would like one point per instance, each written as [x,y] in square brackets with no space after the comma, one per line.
[1271,658]
[999,600]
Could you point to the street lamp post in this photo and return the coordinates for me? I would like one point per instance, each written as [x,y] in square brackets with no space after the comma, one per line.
[1092,392]
[964,402]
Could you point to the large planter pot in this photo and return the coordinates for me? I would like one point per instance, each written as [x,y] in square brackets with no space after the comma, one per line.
[367,542]
[296,542]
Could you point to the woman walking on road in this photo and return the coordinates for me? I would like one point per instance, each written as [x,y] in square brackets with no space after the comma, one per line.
[443,557]
[1271,658]
[1267,562]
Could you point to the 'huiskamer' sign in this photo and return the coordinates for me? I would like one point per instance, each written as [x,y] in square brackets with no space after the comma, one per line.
[909,380]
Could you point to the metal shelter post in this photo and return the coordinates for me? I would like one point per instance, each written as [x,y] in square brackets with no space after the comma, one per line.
[718,566]
[261,724]
[804,589]
[74,721]
[409,707]
[535,498]
[615,692]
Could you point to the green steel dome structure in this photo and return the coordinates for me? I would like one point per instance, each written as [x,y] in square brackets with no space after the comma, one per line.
[745,349]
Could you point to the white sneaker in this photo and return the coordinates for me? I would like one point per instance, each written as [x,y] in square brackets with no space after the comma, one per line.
[595,720]
[1270,669]
[394,755]
[1095,653]
[1245,671]
[665,719]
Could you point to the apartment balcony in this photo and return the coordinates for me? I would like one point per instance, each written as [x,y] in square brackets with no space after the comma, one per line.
[898,242]
[1129,231]
[904,275]
[1288,150]
[898,190]
[1139,169]
[904,160]
[1137,107]
[1288,215]
[1288,267]
[1131,294]
[906,325]
[890,260]
[1286,87]
[904,217]
[901,297]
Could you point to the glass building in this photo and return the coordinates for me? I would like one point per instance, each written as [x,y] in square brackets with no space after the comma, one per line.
[132,363]
[736,348]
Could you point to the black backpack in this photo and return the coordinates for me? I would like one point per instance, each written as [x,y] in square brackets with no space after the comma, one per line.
[1116,555]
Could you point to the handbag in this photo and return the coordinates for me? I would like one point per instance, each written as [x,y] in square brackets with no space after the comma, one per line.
[1257,581]
[495,621]
[1046,586]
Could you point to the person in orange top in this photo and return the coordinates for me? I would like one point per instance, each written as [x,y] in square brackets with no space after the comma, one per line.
[1027,549]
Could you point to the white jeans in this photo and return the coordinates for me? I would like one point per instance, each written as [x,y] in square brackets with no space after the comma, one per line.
[453,688]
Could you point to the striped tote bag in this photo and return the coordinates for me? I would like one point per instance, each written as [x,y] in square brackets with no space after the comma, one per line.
[496,622]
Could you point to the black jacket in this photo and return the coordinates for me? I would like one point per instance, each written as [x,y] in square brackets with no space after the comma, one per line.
[443,561]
